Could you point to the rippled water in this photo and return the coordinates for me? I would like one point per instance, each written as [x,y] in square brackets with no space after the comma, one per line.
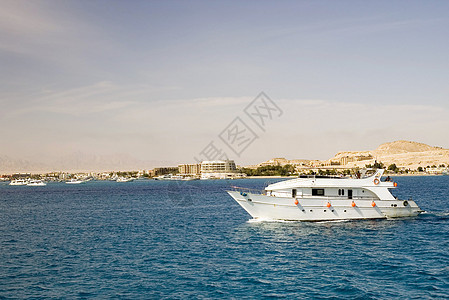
[153,239]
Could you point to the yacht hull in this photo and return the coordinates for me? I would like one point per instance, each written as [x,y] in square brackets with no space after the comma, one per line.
[261,206]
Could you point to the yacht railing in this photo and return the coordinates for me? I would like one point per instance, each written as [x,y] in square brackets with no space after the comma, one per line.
[248,190]
[334,197]
[243,190]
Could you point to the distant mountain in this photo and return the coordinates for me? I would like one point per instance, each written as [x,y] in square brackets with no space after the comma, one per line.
[80,161]
[8,165]
[77,162]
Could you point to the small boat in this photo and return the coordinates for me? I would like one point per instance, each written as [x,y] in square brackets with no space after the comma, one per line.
[164,177]
[189,178]
[124,179]
[74,181]
[19,182]
[327,199]
[175,177]
[36,183]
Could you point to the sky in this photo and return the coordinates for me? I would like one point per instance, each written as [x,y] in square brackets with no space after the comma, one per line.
[159,81]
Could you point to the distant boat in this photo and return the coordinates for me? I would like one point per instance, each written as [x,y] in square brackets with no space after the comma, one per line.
[164,177]
[36,183]
[175,177]
[74,181]
[19,182]
[124,179]
[188,178]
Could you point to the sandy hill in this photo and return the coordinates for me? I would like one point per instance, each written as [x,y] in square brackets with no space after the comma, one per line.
[404,147]
[405,154]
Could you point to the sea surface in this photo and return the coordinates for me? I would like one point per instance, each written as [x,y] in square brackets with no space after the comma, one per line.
[177,240]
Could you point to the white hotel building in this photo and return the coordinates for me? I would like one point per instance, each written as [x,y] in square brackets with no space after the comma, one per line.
[220,169]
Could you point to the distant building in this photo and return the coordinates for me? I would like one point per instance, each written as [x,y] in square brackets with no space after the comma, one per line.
[191,169]
[279,161]
[344,160]
[165,170]
[20,175]
[145,173]
[218,166]
[219,169]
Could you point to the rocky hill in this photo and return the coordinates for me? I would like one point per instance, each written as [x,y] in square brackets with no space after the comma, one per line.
[404,154]
[404,147]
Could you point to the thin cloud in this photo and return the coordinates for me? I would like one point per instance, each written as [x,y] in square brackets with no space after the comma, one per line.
[25,18]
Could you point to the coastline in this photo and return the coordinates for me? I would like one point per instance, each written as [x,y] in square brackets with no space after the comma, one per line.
[391,175]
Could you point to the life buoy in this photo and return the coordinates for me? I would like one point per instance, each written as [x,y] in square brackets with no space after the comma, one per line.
[328,204]
[395,184]
[376,181]
[373,204]
[296,202]
[353,204]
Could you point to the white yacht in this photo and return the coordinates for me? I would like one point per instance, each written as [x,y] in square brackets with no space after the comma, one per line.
[325,199]
[190,177]
[19,182]
[163,177]
[169,177]
[74,181]
[124,179]
[36,183]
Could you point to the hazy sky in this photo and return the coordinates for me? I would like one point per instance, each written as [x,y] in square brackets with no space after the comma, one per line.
[160,80]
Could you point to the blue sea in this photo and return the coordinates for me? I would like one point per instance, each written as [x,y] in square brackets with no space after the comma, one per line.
[177,240]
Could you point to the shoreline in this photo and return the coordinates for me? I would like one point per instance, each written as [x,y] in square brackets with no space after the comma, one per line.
[384,175]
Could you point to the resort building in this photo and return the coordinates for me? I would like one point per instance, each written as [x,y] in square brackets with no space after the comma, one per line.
[20,175]
[220,169]
[191,169]
[218,166]
[165,170]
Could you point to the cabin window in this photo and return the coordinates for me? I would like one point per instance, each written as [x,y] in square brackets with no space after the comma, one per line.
[341,192]
[317,192]
[293,193]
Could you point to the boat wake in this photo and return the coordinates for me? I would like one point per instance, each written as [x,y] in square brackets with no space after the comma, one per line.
[440,214]
[259,220]
[333,221]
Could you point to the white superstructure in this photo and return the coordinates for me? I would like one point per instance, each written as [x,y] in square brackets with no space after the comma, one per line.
[36,183]
[19,182]
[75,181]
[176,177]
[319,199]
[125,179]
